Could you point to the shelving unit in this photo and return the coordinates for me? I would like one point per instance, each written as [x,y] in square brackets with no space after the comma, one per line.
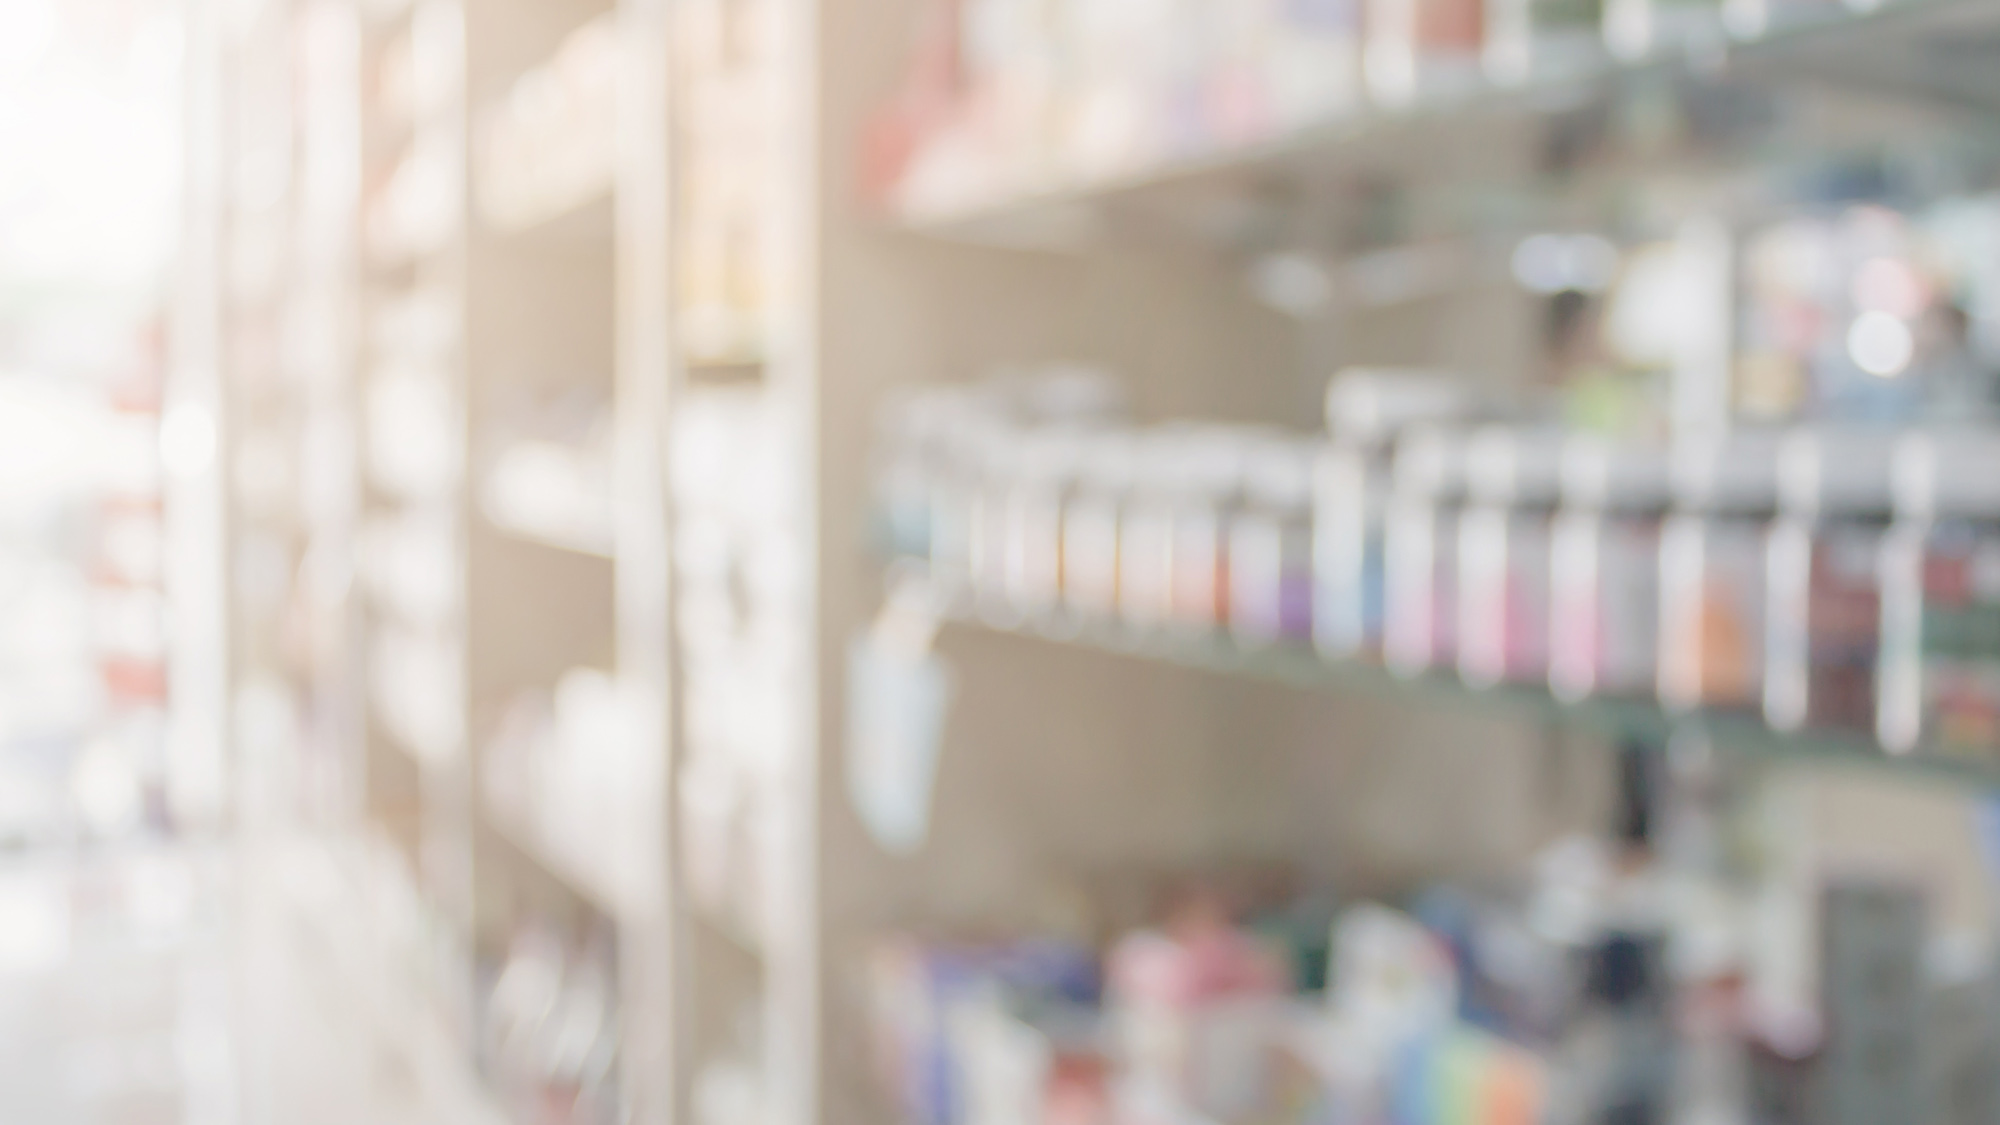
[597,431]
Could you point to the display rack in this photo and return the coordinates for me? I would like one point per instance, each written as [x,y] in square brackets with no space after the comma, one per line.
[597,325]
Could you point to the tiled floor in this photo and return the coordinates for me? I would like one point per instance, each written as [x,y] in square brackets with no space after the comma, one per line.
[238,985]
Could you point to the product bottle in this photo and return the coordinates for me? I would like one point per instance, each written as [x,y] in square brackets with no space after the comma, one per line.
[1421,528]
[1209,495]
[1940,669]
[1049,463]
[1090,527]
[1365,410]
[1824,606]
[1712,571]
[1605,570]
[1270,546]
[1162,468]
[1513,477]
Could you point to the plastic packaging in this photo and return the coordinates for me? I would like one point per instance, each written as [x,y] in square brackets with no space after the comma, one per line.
[1712,571]
[1605,570]
[1513,477]
[1824,605]
[1940,664]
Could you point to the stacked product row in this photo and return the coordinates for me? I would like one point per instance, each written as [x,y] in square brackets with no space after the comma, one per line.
[1829,577]
[1006,97]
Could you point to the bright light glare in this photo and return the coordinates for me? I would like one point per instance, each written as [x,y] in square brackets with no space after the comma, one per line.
[1881,345]
[187,440]
[27,31]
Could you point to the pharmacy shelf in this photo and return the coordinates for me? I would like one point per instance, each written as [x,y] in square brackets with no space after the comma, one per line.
[1933,54]
[1635,720]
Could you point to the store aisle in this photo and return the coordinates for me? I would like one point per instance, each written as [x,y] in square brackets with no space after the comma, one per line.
[227,985]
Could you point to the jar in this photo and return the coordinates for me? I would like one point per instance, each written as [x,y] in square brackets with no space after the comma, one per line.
[1421,525]
[1824,605]
[1712,571]
[1604,570]
[1271,546]
[1513,480]
[1940,671]
[1365,410]
[1106,473]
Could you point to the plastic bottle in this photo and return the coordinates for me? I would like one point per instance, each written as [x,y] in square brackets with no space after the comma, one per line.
[1421,526]
[1605,570]
[1271,545]
[1513,478]
[1365,409]
[1939,687]
[1824,605]
[1712,571]
[1090,528]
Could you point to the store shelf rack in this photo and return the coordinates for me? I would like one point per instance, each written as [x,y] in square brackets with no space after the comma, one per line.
[1634,721]
[1920,54]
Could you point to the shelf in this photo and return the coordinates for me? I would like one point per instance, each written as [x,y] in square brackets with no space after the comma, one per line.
[1637,720]
[1935,53]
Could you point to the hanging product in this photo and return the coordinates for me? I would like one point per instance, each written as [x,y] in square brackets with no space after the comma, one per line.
[1712,563]
[1605,570]
[1421,529]
[1514,479]
[1940,671]
[1824,607]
